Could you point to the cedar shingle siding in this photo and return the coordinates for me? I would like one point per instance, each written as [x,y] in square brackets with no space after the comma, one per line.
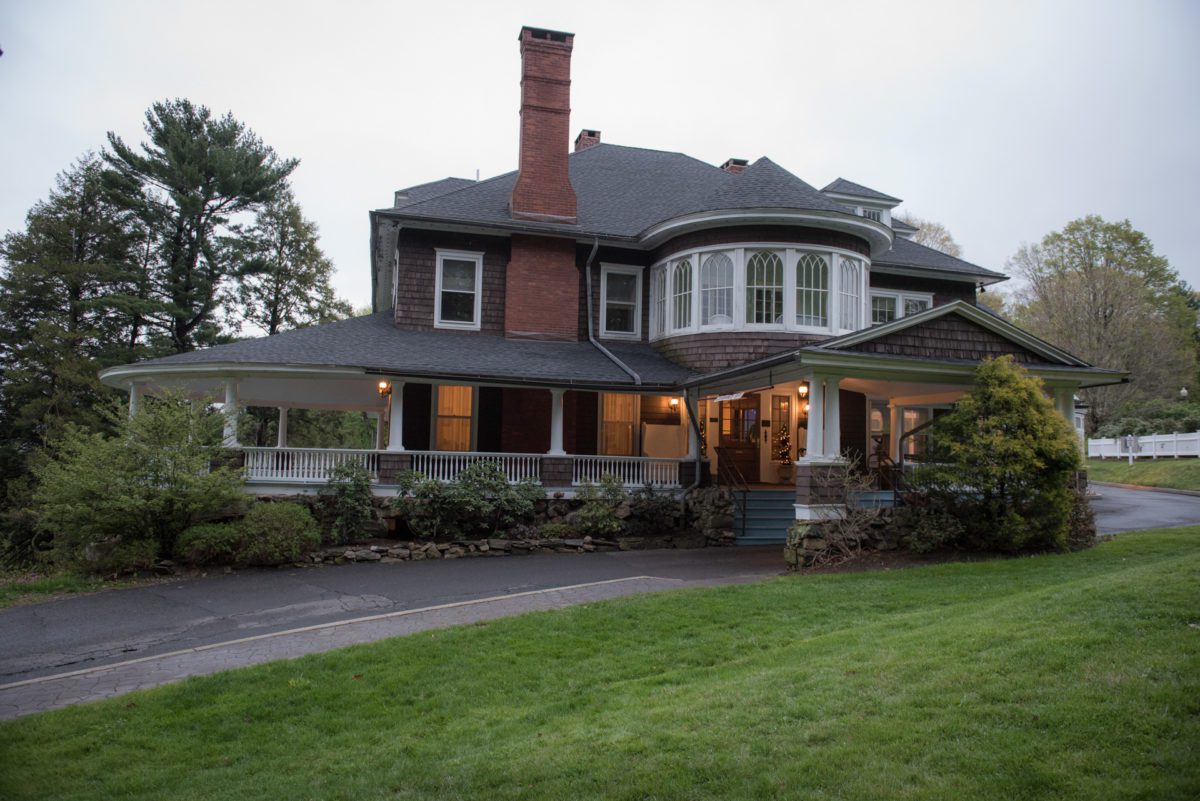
[947,337]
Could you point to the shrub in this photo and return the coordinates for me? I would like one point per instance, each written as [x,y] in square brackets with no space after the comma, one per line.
[597,515]
[481,502]
[114,556]
[652,511]
[276,533]
[210,544]
[1081,528]
[1006,458]
[148,482]
[556,530]
[348,492]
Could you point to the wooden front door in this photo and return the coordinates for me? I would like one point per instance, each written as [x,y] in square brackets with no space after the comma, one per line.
[740,434]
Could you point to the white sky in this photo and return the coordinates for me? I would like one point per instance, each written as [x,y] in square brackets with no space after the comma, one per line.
[1002,120]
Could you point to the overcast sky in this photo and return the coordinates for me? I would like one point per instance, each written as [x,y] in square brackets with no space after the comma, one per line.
[1002,120]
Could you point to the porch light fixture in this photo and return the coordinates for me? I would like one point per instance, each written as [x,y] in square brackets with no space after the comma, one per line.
[385,389]
[674,403]
[804,408]
[802,390]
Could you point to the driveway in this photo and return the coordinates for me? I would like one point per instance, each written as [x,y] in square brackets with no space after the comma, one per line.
[1118,509]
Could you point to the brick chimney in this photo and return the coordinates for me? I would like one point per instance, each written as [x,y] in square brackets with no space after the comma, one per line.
[543,191]
[734,166]
[587,138]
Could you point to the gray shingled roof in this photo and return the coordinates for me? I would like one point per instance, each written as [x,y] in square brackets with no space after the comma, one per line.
[606,178]
[374,344]
[900,225]
[843,187]
[422,192]
[905,253]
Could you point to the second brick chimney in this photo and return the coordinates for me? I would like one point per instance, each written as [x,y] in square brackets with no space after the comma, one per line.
[543,190]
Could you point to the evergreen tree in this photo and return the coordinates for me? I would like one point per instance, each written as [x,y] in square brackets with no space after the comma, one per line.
[283,277]
[196,172]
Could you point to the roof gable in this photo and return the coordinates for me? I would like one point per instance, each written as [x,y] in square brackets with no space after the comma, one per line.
[843,187]
[954,332]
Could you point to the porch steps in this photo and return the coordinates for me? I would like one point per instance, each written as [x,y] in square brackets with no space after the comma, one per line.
[769,514]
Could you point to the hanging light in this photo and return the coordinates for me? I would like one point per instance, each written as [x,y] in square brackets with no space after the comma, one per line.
[385,389]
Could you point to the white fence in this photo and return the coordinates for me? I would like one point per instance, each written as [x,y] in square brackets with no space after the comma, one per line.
[303,465]
[1156,446]
[445,466]
[632,471]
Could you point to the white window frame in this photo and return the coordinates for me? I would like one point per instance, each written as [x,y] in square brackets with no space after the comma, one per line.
[732,289]
[900,297]
[620,269]
[457,255]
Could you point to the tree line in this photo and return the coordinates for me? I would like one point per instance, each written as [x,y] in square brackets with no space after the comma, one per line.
[182,241]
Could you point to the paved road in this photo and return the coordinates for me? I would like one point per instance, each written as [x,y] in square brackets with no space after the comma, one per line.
[1120,509]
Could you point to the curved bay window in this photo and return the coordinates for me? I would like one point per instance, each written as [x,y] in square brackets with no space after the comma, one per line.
[808,288]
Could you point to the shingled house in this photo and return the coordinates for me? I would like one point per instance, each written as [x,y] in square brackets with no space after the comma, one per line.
[611,309]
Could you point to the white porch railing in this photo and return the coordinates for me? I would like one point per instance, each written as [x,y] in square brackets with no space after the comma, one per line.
[303,465]
[445,466]
[632,471]
[1156,446]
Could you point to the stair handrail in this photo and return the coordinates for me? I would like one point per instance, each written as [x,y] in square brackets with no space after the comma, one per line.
[730,474]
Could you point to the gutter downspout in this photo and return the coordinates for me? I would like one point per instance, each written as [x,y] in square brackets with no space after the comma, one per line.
[587,273]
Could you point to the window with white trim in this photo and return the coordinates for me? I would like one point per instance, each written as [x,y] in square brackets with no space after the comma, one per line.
[812,290]
[764,288]
[716,289]
[681,294]
[850,280]
[887,306]
[458,295]
[873,214]
[620,301]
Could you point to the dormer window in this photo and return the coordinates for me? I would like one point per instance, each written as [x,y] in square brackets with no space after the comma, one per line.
[888,306]
[457,296]
[873,214]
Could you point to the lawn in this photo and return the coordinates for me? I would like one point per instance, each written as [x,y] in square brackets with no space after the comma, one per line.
[1065,677]
[22,587]
[1170,473]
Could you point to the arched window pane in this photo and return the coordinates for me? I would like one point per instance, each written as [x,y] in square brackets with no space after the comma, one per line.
[716,290]
[764,288]
[812,290]
[851,293]
[681,297]
[658,299]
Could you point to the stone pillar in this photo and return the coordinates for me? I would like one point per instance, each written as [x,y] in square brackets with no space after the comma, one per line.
[396,417]
[230,411]
[135,399]
[281,439]
[556,423]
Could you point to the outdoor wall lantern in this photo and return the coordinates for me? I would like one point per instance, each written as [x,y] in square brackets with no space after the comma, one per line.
[803,391]
[674,403]
[385,389]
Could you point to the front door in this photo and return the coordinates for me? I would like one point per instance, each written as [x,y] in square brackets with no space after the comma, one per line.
[739,435]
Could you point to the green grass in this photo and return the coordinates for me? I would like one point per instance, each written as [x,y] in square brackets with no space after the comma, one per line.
[1056,677]
[1170,473]
[24,587]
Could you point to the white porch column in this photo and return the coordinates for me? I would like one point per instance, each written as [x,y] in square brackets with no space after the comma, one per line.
[693,404]
[281,439]
[816,418]
[396,417]
[1064,401]
[230,411]
[135,399]
[833,417]
[556,423]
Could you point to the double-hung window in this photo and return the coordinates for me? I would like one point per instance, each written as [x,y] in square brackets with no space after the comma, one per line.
[888,306]
[883,309]
[681,295]
[764,288]
[851,293]
[812,290]
[458,296]
[716,289]
[621,301]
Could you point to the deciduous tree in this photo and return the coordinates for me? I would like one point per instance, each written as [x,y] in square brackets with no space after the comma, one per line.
[932,235]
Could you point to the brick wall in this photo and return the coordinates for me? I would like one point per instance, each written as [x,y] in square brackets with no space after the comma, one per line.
[543,189]
[542,288]
[525,421]
[581,418]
